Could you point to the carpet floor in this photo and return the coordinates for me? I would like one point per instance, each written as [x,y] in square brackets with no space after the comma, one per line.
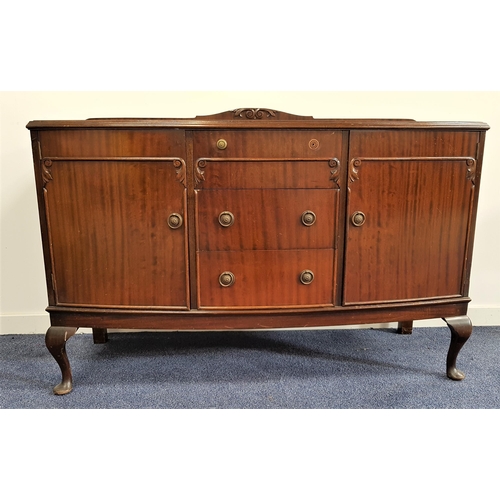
[332,369]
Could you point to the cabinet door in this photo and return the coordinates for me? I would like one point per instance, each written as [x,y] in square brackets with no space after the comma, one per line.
[113,239]
[407,228]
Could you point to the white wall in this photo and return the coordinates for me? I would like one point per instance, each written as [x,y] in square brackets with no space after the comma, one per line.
[23,295]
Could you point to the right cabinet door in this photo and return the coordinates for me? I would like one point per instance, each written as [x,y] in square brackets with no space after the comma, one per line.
[409,205]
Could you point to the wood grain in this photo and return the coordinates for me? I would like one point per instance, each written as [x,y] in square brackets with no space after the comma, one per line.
[247,173]
[414,241]
[265,278]
[103,143]
[269,143]
[266,219]
[110,240]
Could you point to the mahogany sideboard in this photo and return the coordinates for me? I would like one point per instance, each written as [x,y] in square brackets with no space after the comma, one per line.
[255,218]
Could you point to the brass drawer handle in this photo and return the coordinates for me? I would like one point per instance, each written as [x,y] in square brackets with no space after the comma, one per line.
[221,144]
[358,218]
[226,219]
[306,277]
[226,279]
[175,221]
[308,218]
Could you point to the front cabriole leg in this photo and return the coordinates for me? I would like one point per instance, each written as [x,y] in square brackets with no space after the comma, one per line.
[461,329]
[55,340]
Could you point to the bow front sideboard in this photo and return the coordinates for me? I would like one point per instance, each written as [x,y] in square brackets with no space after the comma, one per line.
[255,219]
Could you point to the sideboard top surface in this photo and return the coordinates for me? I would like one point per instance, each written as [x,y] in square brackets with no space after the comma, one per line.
[254,118]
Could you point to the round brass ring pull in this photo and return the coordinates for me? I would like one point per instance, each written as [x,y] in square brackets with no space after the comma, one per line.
[308,218]
[226,219]
[175,221]
[358,218]
[306,277]
[221,144]
[226,279]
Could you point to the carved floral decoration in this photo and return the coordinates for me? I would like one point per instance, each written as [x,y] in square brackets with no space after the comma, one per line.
[254,113]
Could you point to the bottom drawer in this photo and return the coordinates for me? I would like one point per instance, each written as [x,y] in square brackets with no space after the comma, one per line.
[265,278]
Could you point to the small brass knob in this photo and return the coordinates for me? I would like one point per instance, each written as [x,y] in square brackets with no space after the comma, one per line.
[221,144]
[175,221]
[226,219]
[314,144]
[358,218]
[308,218]
[226,279]
[306,277]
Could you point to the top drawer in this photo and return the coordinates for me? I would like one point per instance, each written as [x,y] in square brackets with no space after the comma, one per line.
[92,143]
[268,144]
[412,143]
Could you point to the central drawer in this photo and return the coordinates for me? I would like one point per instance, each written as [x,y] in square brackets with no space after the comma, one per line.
[268,143]
[267,208]
[265,278]
[265,219]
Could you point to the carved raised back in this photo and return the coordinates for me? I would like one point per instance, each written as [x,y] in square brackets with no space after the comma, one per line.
[254,114]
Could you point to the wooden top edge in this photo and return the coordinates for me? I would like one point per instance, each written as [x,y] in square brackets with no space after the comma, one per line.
[200,123]
[248,118]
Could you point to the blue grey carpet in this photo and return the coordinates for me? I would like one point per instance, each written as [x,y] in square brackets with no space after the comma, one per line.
[334,369]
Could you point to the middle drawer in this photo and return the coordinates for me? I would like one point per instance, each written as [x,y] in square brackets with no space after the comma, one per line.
[266,219]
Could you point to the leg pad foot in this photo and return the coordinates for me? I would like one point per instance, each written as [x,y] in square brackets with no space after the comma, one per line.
[461,329]
[55,340]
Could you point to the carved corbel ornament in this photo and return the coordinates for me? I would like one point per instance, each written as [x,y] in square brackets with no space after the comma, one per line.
[254,113]
[46,172]
[353,169]
[180,170]
[335,171]
[199,171]
[471,170]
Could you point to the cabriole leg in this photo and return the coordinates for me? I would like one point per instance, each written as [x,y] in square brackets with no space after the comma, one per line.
[461,329]
[55,340]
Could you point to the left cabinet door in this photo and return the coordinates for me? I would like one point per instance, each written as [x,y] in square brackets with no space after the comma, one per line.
[116,220]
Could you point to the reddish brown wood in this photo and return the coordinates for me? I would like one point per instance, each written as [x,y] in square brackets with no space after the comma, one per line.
[254,114]
[414,241]
[228,121]
[110,239]
[40,183]
[190,222]
[265,278]
[129,213]
[268,144]
[282,172]
[55,340]
[461,329]
[393,143]
[231,319]
[86,142]
[266,219]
